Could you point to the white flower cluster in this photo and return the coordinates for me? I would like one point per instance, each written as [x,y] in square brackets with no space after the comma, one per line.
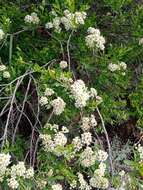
[98,180]
[41,184]
[57,187]
[63,64]
[2,34]
[83,184]
[69,21]
[81,93]
[94,39]
[32,19]
[51,143]
[58,103]
[85,140]
[140,151]
[14,172]
[121,66]
[87,157]
[88,123]
[4,162]
[4,71]
[19,170]
[77,143]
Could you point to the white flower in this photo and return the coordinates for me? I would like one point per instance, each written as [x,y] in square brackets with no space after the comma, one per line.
[2,34]
[6,75]
[49,25]
[57,187]
[73,184]
[86,138]
[80,93]
[47,142]
[32,19]
[66,12]
[13,183]
[29,173]
[60,139]
[49,92]
[41,184]
[102,155]
[101,171]
[123,65]
[99,182]
[93,121]
[85,124]
[88,123]
[87,157]
[113,67]
[58,105]
[28,19]
[56,24]
[18,170]
[65,129]
[43,101]
[83,184]
[69,20]
[63,64]
[2,67]
[80,17]
[4,160]
[77,143]
[94,39]
[92,30]
[122,173]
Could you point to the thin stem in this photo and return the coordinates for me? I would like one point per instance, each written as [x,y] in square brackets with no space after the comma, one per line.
[10,47]
[68,51]
[108,142]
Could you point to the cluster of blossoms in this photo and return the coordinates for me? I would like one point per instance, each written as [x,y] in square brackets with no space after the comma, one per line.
[83,184]
[55,141]
[2,34]
[81,93]
[57,187]
[94,39]
[97,181]
[63,64]
[121,66]
[4,162]
[51,143]
[58,103]
[13,173]
[69,21]
[4,71]
[32,19]
[88,123]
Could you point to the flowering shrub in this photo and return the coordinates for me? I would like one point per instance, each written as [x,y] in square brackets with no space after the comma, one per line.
[71,95]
